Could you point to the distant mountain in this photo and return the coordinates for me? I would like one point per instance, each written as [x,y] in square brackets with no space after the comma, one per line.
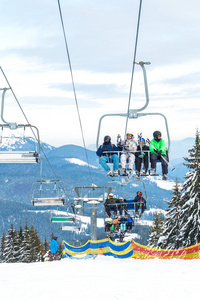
[69,164]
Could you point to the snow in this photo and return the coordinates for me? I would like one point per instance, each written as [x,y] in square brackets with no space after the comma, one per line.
[163,184]
[101,278]
[79,162]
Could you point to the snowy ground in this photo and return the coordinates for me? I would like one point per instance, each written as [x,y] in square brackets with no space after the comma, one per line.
[101,278]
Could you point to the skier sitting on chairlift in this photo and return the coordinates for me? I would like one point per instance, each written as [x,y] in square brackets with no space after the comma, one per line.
[157,147]
[122,206]
[141,156]
[107,152]
[110,203]
[129,146]
[139,202]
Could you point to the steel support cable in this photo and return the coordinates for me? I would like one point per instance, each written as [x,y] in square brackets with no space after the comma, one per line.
[27,120]
[74,90]
[133,69]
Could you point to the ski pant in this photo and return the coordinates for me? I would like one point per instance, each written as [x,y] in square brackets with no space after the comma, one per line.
[109,207]
[121,208]
[154,158]
[139,161]
[103,160]
[142,206]
[131,160]
[54,256]
[129,225]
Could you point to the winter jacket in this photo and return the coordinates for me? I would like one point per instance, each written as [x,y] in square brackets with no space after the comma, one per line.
[129,145]
[111,201]
[111,148]
[54,246]
[140,200]
[161,145]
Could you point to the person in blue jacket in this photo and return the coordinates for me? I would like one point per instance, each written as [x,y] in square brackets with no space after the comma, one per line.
[139,202]
[54,248]
[108,152]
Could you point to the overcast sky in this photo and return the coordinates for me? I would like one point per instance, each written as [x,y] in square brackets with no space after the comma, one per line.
[101,40]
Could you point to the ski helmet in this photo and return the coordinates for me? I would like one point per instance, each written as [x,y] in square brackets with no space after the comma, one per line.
[142,140]
[111,195]
[139,193]
[156,134]
[55,238]
[129,134]
[107,139]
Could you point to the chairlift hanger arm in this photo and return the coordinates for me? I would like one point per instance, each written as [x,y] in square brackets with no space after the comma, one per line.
[11,124]
[141,63]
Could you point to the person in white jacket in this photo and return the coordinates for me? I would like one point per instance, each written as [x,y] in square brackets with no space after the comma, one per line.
[129,146]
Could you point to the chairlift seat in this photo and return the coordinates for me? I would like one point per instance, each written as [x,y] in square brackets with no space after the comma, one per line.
[62,219]
[19,157]
[70,228]
[48,201]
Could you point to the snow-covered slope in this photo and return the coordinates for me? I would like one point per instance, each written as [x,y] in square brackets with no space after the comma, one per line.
[101,278]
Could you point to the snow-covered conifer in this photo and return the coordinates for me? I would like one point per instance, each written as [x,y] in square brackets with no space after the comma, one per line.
[26,245]
[2,248]
[171,227]
[156,229]
[11,250]
[190,214]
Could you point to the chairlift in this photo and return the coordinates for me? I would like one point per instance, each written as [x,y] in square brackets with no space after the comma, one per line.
[135,113]
[62,217]
[48,192]
[127,209]
[20,156]
[70,228]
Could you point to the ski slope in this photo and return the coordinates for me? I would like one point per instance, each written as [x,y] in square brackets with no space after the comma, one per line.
[102,278]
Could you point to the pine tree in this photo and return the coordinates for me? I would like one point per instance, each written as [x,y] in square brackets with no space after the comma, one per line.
[12,252]
[171,227]
[26,245]
[20,239]
[190,215]
[46,250]
[60,250]
[156,229]
[2,248]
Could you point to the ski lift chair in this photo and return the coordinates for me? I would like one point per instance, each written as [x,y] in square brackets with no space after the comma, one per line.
[20,156]
[135,113]
[48,193]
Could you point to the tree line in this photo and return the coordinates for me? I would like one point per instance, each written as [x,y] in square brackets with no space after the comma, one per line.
[180,227]
[24,246]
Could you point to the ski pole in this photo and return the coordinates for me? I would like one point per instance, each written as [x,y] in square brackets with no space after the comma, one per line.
[165,160]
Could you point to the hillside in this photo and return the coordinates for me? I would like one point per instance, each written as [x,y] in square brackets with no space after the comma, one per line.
[70,166]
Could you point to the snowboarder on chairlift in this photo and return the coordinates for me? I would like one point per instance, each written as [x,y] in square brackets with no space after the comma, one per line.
[108,152]
[157,147]
[141,157]
[129,146]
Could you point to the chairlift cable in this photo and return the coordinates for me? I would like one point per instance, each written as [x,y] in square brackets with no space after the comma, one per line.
[27,120]
[74,90]
[133,69]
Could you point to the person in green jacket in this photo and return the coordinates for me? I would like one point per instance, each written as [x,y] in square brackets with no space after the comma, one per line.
[158,151]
